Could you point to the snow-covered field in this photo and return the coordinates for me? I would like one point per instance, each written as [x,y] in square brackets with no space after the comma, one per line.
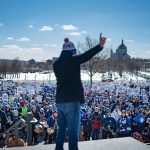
[146,73]
[84,76]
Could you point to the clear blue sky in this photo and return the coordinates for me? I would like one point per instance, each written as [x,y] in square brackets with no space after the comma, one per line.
[36,28]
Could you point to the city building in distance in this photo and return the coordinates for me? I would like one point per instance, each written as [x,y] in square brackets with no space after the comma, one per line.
[121,53]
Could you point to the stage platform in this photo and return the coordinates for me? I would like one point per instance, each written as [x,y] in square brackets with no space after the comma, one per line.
[108,144]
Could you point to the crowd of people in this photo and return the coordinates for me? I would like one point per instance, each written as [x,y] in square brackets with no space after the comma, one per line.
[111,109]
[117,110]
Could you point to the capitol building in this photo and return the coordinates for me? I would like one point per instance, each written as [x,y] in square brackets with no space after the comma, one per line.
[121,53]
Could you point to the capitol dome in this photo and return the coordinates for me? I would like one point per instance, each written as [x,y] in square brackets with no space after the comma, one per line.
[122,46]
[121,52]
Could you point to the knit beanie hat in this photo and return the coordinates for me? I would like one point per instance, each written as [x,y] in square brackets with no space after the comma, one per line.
[21,102]
[68,46]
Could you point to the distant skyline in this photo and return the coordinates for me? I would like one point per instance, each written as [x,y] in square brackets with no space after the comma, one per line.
[36,28]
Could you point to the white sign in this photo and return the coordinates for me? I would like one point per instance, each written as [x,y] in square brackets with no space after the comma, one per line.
[19,90]
[4,86]
[39,98]
[31,91]
[16,96]
[5,97]
[143,92]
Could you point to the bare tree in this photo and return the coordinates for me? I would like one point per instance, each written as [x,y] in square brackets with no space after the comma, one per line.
[16,67]
[130,65]
[4,67]
[94,65]
[1,68]
[49,69]
[134,66]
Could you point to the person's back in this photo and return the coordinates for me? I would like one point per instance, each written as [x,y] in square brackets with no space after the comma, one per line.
[67,71]
[69,93]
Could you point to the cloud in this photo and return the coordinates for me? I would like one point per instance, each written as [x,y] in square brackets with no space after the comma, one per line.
[147,54]
[31,26]
[46,28]
[144,55]
[24,39]
[109,39]
[34,50]
[49,45]
[25,53]
[10,38]
[15,49]
[132,52]
[130,41]
[140,54]
[10,48]
[75,33]
[1,24]
[69,27]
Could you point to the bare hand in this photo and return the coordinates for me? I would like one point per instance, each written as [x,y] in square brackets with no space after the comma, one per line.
[102,41]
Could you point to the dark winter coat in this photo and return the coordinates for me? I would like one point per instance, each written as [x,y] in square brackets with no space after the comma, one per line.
[3,121]
[67,71]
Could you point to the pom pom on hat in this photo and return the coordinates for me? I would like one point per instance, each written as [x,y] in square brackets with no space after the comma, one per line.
[68,46]
[123,111]
[66,40]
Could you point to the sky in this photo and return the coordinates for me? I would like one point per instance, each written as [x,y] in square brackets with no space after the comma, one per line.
[36,28]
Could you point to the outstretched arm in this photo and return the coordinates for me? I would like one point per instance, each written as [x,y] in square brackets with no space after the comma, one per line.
[91,52]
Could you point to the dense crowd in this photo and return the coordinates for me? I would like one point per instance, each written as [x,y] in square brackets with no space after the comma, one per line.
[111,109]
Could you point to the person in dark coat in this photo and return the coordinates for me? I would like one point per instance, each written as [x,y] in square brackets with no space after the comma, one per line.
[86,122]
[124,125]
[10,116]
[109,126]
[69,92]
[50,123]
[36,116]
[3,125]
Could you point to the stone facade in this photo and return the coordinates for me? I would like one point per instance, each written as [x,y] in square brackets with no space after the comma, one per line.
[121,53]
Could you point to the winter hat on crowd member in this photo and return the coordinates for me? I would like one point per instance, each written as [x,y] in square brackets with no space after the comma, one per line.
[123,111]
[68,46]
[8,106]
[117,106]
[96,109]
[41,110]
[21,102]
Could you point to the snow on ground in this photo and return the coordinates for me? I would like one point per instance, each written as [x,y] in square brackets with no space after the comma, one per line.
[84,76]
[146,73]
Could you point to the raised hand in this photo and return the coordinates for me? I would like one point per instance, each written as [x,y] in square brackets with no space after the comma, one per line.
[102,40]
